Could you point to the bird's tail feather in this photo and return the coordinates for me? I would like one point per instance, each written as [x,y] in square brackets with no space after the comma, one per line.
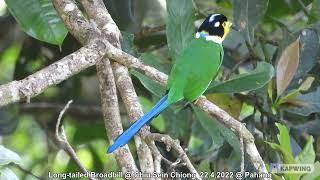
[136,126]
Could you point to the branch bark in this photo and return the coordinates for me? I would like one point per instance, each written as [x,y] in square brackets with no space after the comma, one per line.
[71,16]
[97,11]
[88,55]
[51,75]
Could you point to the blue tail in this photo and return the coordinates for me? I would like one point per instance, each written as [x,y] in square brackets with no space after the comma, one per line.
[136,126]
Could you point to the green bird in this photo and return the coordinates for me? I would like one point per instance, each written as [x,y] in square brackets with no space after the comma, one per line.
[193,71]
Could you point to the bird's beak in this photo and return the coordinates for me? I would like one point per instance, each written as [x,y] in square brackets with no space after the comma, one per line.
[227,27]
[228,24]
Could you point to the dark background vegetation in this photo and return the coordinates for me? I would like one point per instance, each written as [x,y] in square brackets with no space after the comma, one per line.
[274,45]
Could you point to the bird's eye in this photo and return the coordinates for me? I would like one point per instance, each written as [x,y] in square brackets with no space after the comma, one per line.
[217,24]
[224,24]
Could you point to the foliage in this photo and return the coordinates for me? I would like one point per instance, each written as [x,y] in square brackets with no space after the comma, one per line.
[306,156]
[38,19]
[270,74]
[7,156]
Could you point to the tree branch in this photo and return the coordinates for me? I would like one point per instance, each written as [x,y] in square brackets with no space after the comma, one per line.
[87,56]
[172,144]
[97,11]
[51,75]
[71,16]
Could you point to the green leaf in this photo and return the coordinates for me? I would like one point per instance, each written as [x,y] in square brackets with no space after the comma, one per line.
[307,155]
[180,28]
[194,144]
[156,62]
[157,122]
[39,19]
[289,97]
[286,157]
[245,82]
[7,174]
[226,102]
[217,131]
[287,66]
[247,14]
[178,121]
[152,86]
[7,156]
[212,127]
[315,12]
[307,103]
[315,174]
[284,138]
[276,177]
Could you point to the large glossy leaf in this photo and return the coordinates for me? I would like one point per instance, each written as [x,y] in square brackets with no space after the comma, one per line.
[245,82]
[247,14]
[217,131]
[152,86]
[155,61]
[200,141]
[7,156]
[212,127]
[180,28]
[287,66]
[39,19]
[307,155]
[227,103]
[178,121]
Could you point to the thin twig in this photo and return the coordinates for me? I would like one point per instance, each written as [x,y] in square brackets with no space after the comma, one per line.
[26,171]
[252,52]
[172,144]
[59,121]
[242,153]
[63,141]
[147,31]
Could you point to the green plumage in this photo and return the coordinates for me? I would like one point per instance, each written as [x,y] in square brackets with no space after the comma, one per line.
[194,69]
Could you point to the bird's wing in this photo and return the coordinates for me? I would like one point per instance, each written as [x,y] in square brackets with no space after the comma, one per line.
[194,69]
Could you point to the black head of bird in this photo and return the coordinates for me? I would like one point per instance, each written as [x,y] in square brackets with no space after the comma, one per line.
[215,26]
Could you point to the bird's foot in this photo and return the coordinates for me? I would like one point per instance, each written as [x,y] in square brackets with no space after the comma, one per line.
[200,97]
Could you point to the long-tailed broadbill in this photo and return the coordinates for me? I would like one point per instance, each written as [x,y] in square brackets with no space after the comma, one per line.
[194,69]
